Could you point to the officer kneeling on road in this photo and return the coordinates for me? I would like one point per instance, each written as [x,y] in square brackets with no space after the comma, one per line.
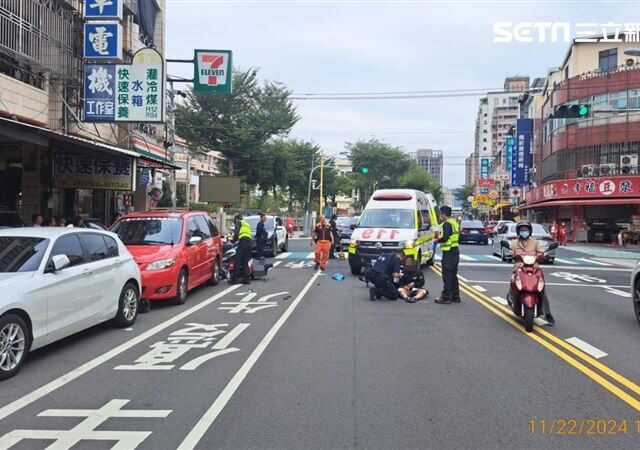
[385,270]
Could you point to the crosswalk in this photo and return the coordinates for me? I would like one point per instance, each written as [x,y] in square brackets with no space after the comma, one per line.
[469,259]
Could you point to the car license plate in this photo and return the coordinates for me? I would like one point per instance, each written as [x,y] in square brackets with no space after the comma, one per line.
[474,232]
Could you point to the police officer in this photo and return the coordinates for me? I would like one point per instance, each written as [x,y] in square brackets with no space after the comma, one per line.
[261,236]
[385,269]
[242,235]
[450,257]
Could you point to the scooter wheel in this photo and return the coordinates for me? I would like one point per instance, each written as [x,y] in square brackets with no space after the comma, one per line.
[528,319]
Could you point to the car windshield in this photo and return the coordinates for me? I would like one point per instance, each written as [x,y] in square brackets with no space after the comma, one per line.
[387,218]
[149,230]
[343,221]
[471,224]
[253,222]
[538,230]
[21,254]
[10,220]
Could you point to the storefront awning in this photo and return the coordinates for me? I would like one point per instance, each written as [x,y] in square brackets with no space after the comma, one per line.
[151,155]
[42,136]
[584,202]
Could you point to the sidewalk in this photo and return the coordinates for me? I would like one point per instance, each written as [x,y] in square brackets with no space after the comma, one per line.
[605,251]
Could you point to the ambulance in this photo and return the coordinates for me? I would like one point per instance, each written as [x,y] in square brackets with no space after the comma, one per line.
[395,219]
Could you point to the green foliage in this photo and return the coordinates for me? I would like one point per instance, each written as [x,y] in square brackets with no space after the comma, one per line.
[462,193]
[165,201]
[418,178]
[181,195]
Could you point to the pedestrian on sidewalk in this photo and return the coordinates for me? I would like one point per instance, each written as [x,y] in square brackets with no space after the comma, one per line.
[36,220]
[322,236]
[450,257]
[261,236]
[384,274]
[562,234]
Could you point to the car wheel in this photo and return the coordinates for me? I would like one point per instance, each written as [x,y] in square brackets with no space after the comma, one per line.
[127,306]
[182,287]
[14,344]
[215,273]
[503,255]
[636,300]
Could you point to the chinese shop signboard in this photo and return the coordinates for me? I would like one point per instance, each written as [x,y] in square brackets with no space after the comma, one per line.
[125,92]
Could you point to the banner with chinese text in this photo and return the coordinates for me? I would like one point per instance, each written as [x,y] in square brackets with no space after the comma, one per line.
[586,188]
[93,171]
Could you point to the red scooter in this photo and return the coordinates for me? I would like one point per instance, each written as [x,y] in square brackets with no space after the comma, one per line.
[527,286]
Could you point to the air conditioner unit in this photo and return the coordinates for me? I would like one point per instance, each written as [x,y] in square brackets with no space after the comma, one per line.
[628,164]
[588,170]
[608,169]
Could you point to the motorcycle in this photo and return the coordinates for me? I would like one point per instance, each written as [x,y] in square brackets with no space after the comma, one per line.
[229,263]
[527,286]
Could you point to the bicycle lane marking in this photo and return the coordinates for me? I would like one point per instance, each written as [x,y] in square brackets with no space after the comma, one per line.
[52,386]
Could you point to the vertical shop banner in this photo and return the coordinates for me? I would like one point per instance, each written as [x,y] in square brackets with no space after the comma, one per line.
[125,92]
[521,159]
[103,40]
[509,146]
[103,9]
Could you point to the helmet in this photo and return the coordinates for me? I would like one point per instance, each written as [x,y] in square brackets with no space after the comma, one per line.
[237,217]
[524,223]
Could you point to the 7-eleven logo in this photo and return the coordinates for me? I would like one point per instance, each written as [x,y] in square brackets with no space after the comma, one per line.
[212,69]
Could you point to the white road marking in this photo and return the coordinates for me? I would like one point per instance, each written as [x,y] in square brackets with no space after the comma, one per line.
[311,255]
[615,291]
[467,258]
[546,283]
[494,257]
[460,277]
[591,261]
[283,255]
[479,288]
[33,396]
[540,321]
[501,300]
[587,348]
[566,261]
[508,266]
[277,263]
[205,422]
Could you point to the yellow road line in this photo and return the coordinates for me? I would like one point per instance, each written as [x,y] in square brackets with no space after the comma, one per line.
[511,319]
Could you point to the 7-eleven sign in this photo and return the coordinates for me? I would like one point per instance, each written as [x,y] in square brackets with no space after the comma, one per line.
[213,71]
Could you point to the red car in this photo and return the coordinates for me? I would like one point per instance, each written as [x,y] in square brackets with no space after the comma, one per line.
[175,250]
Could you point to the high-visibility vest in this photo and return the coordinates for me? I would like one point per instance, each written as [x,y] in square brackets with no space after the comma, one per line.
[245,230]
[452,242]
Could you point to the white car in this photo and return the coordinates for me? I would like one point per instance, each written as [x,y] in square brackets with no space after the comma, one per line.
[58,281]
[278,239]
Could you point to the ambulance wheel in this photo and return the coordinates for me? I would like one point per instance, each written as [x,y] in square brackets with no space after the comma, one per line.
[431,261]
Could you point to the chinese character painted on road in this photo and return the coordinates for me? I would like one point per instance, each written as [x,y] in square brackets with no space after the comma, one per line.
[179,343]
[100,81]
[626,187]
[87,429]
[247,306]
[99,40]
[100,4]
[590,186]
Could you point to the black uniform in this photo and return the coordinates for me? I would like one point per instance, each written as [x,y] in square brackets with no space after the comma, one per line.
[383,269]
[334,232]
[261,239]
[450,261]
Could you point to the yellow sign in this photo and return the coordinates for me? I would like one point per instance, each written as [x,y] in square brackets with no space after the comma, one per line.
[474,204]
[494,194]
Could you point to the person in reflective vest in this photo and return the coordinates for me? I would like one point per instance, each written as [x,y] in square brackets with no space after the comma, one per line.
[242,235]
[450,257]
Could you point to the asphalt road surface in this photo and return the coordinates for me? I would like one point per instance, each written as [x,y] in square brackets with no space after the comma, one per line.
[301,360]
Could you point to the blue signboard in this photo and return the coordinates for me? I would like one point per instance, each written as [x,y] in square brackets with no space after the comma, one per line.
[103,40]
[103,9]
[99,92]
[509,146]
[485,168]
[522,156]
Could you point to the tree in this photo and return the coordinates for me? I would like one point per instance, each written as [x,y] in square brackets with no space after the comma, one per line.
[418,178]
[462,193]
[238,124]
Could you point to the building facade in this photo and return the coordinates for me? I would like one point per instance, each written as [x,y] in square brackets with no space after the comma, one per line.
[586,170]
[51,162]
[431,161]
[471,169]
[199,165]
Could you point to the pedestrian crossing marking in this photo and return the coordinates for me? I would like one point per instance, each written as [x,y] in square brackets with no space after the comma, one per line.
[591,261]
[467,258]
[565,261]
[284,255]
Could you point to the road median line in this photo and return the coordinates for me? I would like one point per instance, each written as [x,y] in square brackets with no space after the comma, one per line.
[556,346]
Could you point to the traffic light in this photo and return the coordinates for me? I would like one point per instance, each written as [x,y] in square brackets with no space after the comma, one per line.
[571,111]
[362,170]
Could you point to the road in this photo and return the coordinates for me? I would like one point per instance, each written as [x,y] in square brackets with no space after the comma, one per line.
[301,360]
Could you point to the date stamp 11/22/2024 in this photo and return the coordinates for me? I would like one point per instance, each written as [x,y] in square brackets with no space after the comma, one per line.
[584,427]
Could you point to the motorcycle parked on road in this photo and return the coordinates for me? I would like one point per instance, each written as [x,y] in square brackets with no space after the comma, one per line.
[229,263]
[527,286]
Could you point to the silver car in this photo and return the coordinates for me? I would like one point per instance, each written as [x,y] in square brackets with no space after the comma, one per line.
[508,231]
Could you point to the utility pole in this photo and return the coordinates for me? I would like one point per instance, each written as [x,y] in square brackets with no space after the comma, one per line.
[321,180]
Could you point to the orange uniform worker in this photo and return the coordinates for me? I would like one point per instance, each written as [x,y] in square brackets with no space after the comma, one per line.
[323,238]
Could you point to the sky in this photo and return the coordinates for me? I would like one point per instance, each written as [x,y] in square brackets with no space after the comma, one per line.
[381,46]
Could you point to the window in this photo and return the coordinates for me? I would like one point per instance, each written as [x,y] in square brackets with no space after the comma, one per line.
[149,231]
[212,226]
[21,254]
[426,218]
[203,227]
[94,246]
[608,59]
[112,246]
[69,245]
[192,228]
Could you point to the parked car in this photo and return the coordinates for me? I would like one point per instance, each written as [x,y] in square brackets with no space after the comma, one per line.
[175,250]
[473,231]
[10,219]
[345,229]
[491,227]
[635,290]
[278,238]
[508,231]
[58,281]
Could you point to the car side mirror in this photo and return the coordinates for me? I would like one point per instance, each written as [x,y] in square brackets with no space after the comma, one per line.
[193,240]
[505,244]
[553,246]
[59,262]
[352,226]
